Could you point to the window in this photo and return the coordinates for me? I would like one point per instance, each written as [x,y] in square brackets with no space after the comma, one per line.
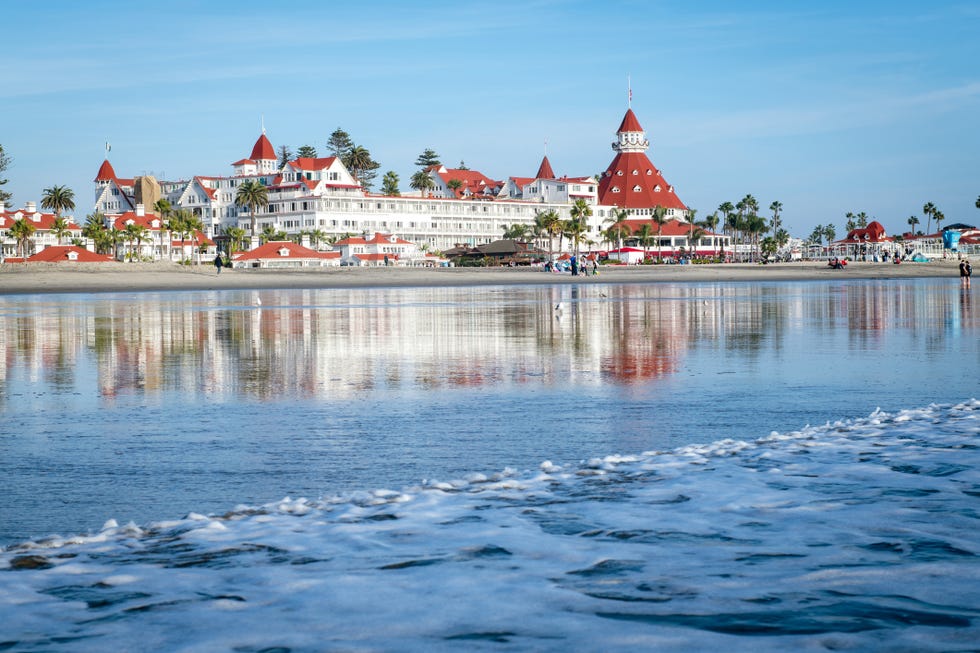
[615,189]
[636,189]
[636,172]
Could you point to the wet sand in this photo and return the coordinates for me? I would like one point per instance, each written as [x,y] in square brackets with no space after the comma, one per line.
[127,277]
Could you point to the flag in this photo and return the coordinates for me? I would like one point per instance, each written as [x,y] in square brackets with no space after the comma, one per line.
[107,147]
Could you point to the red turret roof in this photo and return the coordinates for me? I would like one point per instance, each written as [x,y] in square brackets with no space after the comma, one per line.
[263,149]
[544,170]
[106,173]
[631,181]
[630,123]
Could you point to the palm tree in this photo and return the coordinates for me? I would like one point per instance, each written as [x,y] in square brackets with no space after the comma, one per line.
[162,208]
[659,218]
[617,226]
[912,222]
[422,182]
[95,229]
[358,160]
[755,227]
[726,208]
[270,234]
[690,216]
[236,238]
[454,185]
[134,233]
[550,223]
[776,207]
[58,199]
[252,194]
[850,223]
[939,217]
[929,209]
[978,201]
[645,236]
[580,212]
[316,237]
[22,231]
[517,231]
[59,228]
[862,220]
[694,237]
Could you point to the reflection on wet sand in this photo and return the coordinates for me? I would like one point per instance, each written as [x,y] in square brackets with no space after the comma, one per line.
[338,343]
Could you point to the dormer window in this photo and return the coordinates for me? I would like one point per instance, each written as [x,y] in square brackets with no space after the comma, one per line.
[615,189]
[636,189]
[656,189]
[619,173]
[649,172]
[72,255]
[283,251]
[636,172]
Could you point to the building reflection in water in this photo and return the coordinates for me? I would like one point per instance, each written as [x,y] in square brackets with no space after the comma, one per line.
[338,343]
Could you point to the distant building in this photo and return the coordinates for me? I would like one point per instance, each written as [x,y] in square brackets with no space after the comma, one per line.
[321,195]
[44,231]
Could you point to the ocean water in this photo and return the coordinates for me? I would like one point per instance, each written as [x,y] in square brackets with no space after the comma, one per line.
[680,467]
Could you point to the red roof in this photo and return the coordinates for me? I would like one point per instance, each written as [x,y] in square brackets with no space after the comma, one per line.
[645,189]
[475,182]
[544,170]
[272,249]
[45,221]
[106,173]
[873,233]
[198,239]
[263,149]
[60,254]
[670,228]
[243,162]
[144,220]
[304,163]
[630,123]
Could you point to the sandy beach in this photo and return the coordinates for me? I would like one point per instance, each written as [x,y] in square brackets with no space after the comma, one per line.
[127,277]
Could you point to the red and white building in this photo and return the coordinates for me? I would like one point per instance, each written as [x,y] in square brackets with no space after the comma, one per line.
[44,230]
[285,254]
[380,250]
[320,195]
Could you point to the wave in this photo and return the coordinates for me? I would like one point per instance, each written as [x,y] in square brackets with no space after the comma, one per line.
[851,535]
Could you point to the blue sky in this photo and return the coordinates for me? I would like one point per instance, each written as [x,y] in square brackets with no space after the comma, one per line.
[827,107]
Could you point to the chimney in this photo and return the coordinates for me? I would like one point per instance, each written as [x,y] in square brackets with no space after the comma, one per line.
[304,240]
[140,211]
[30,207]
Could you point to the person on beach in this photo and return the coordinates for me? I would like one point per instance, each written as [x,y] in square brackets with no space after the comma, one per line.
[218,262]
[966,271]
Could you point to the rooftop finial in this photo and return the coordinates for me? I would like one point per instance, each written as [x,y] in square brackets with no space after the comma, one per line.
[263,123]
[629,92]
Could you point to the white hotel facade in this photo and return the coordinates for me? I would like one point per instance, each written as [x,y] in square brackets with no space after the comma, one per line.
[321,194]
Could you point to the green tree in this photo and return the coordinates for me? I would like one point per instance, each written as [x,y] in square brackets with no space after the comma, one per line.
[454,185]
[929,210]
[727,209]
[861,219]
[253,195]
[912,222]
[850,223]
[977,205]
[580,214]
[316,237]
[769,246]
[829,233]
[306,152]
[339,144]
[422,182]
[777,208]
[285,155]
[22,231]
[99,233]
[271,234]
[517,231]
[58,199]
[5,162]
[361,166]
[755,226]
[710,222]
[938,216]
[644,236]
[236,239]
[550,223]
[816,236]
[617,229]
[427,159]
[389,184]
[659,218]
[59,228]
[135,233]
